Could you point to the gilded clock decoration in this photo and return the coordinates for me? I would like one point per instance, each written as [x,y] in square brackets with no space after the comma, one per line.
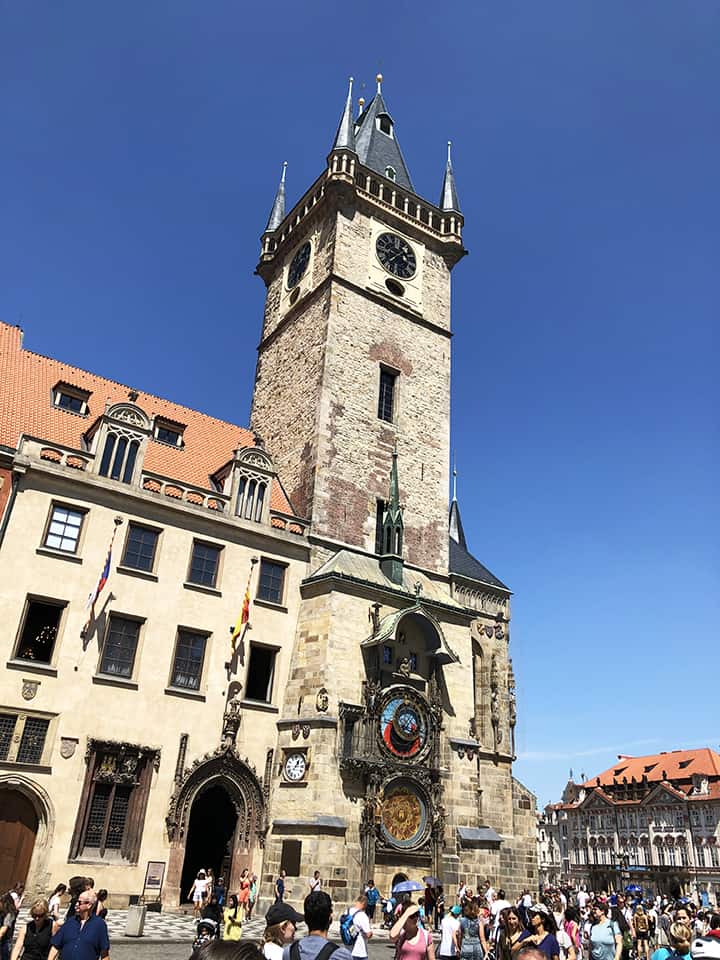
[404,816]
[396,255]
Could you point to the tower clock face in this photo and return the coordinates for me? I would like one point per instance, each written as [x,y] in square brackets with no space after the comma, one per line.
[298,266]
[403,728]
[396,255]
[295,766]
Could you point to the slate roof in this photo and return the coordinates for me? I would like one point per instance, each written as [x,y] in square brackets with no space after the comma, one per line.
[378,150]
[461,561]
[26,384]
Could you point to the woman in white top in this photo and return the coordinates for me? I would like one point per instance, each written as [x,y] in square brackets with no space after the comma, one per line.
[281,922]
[197,892]
[54,902]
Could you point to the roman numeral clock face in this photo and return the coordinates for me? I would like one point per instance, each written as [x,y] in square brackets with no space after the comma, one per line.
[396,255]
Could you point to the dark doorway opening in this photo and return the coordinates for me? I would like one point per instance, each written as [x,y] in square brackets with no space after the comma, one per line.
[18,827]
[211,830]
[398,878]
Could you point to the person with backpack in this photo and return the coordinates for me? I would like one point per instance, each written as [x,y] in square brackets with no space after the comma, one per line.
[411,940]
[357,928]
[373,897]
[318,912]
[641,923]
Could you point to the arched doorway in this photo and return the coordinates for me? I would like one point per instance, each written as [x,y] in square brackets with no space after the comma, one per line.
[210,836]
[216,818]
[398,878]
[18,829]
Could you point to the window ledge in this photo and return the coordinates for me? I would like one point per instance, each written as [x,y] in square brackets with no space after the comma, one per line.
[258,705]
[280,607]
[291,783]
[181,692]
[59,554]
[202,588]
[25,767]
[115,681]
[32,666]
[132,572]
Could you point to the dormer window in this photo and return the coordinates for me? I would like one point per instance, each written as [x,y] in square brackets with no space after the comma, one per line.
[166,431]
[390,173]
[70,398]
[385,124]
[254,474]
[118,440]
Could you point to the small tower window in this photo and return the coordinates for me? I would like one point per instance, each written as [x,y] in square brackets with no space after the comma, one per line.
[390,173]
[384,124]
[386,395]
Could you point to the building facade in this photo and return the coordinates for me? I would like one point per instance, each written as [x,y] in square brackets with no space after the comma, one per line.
[359,719]
[652,820]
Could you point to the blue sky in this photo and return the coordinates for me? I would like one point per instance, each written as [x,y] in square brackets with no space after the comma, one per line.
[142,144]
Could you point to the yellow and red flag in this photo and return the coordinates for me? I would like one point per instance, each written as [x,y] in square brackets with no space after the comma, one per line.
[244,615]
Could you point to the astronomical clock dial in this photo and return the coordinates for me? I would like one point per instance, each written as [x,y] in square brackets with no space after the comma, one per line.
[298,266]
[403,728]
[295,766]
[396,255]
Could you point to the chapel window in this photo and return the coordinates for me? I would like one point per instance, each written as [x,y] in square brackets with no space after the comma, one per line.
[118,457]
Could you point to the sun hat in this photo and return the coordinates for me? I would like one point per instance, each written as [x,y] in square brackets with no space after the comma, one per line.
[539,908]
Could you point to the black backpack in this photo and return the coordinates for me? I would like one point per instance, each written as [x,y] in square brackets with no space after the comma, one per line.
[323,954]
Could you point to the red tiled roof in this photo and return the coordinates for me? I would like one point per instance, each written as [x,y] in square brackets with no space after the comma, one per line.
[26,383]
[673,765]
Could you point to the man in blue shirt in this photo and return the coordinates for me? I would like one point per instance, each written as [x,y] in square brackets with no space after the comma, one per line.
[84,936]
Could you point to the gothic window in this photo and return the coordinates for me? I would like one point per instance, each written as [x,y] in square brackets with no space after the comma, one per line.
[204,564]
[260,673]
[379,514]
[23,738]
[251,499]
[119,456]
[290,857]
[63,529]
[272,581]
[39,630]
[113,802]
[120,647]
[140,548]
[188,661]
[386,396]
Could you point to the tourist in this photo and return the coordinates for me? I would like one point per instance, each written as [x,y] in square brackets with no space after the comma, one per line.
[280,887]
[77,886]
[499,904]
[33,941]
[448,926]
[232,919]
[220,891]
[213,911]
[604,935]
[373,896]
[641,923]
[571,926]
[253,895]
[197,892]
[282,922]
[84,936]
[361,922]
[17,894]
[511,929]
[314,882]
[8,914]
[244,891]
[470,940]
[412,942]
[680,940]
[206,933]
[100,908]
[316,946]
[55,900]
[542,932]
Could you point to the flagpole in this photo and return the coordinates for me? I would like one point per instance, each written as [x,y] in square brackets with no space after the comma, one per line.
[104,577]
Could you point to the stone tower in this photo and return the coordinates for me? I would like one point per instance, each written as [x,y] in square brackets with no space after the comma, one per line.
[354,359]
[395,738]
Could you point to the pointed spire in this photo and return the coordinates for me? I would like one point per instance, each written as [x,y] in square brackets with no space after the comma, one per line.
[277,214]
[391,562]
[448,194]
[345,136]
[454,496]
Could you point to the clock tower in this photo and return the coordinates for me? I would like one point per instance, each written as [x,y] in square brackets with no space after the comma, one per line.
[354,359]
[396,725]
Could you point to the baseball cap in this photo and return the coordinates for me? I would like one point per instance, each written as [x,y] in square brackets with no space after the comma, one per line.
[456,910]
[282,912]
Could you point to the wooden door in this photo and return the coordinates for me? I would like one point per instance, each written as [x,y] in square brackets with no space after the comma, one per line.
[18,827]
